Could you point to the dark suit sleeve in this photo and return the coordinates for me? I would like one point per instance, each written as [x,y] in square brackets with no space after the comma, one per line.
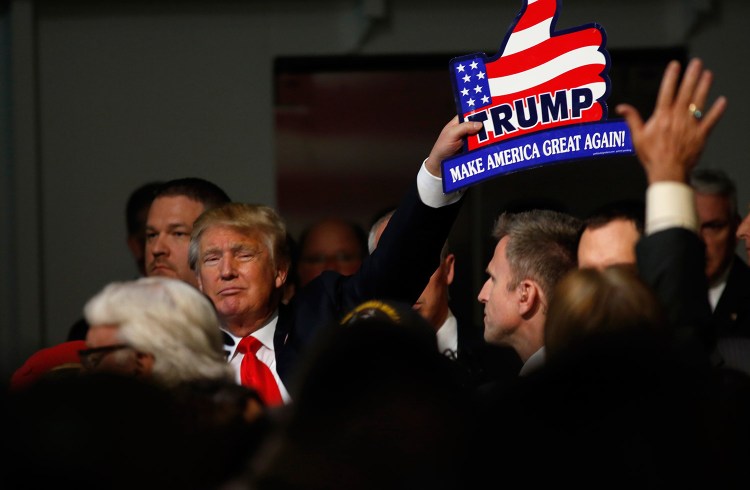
[672,262]
[408,253]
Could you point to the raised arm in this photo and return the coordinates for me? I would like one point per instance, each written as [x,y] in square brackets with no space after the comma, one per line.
[671,257]
[407,254]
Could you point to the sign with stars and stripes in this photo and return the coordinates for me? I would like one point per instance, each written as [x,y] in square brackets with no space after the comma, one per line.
[541,99]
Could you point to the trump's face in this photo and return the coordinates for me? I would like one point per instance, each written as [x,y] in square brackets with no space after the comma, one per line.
[237,271]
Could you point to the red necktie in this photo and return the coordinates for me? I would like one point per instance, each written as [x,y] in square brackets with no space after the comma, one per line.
[255,374]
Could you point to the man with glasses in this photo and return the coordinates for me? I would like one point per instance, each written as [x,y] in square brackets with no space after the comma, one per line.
[728,275]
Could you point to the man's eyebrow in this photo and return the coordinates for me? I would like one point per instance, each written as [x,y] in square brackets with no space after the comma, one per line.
[170,226]
[211,250]
[244,247]
[234,248]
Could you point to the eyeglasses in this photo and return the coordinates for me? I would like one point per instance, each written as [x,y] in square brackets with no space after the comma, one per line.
[91,358]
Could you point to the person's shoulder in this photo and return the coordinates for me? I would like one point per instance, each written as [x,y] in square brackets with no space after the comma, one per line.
[740,269]
[57,360]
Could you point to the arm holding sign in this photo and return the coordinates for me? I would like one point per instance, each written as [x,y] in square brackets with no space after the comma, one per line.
[671,256]
[400,267]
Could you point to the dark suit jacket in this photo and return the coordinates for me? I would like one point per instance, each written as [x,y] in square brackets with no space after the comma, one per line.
[732,313]
[672,262]
[399,269]
[482,362]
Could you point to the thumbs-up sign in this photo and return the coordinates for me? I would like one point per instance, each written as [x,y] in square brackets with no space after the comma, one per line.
[540,79]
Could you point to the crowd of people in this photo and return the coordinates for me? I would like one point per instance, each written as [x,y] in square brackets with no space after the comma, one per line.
[614,350]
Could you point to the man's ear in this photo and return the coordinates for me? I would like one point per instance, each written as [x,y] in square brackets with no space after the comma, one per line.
[281,275]
[448,264]
[200,281]
[528,296]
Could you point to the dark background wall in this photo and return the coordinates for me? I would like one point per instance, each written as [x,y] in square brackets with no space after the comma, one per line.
[97,97]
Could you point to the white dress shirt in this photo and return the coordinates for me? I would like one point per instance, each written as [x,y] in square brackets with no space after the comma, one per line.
[430,189]
[447,335]
[534,362]
[715,291]
[266,353]
[669,205]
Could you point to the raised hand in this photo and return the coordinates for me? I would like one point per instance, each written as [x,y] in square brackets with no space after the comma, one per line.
[449,142]
[568,69]
[670,143]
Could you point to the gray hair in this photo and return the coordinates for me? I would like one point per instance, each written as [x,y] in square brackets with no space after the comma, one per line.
[542,246]
[372,241]
[169,319]
[715,182]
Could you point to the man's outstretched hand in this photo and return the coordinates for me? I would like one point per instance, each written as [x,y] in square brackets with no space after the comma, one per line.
[670,143]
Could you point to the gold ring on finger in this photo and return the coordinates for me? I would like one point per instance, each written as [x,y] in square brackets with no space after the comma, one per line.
[694,111]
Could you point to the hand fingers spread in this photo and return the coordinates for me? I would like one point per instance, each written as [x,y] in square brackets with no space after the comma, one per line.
[714,114]
[686,92]
[667,88]
[701,91]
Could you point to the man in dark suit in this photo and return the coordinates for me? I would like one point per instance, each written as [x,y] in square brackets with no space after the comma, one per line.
[239,255]
[478,361]
[669,146]
[728,275]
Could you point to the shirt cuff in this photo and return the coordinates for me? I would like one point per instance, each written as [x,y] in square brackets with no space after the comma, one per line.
[431,189]
[670,205]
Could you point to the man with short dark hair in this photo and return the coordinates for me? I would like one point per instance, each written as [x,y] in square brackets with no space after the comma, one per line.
[176,206]
[610,233]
